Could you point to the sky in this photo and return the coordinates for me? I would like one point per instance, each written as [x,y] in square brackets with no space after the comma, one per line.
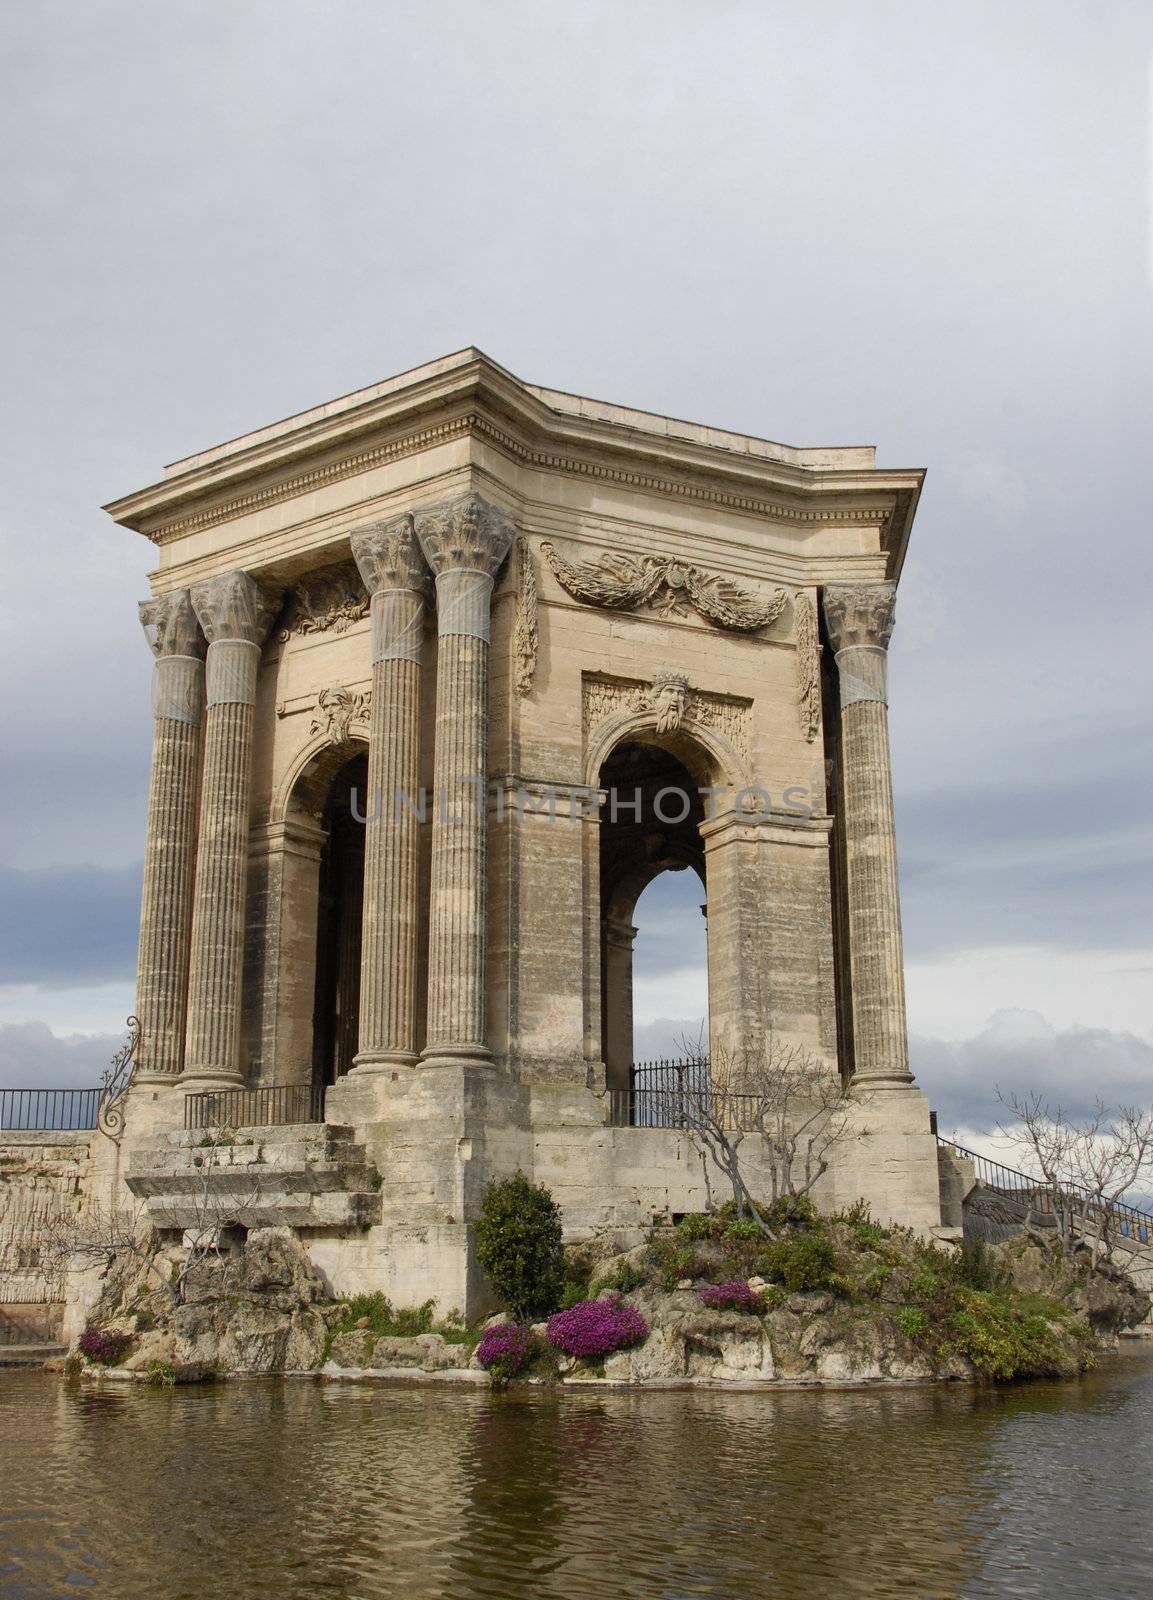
[923,227]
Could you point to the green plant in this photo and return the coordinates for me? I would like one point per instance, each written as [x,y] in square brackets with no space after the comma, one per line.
[623,1279]
[518,1243]
[573,1294]
[697,1225]
[912,1321]
[161,1374]
[981,1268]
[743,1228]
[674,1261]
[874,1282]
[807,1261]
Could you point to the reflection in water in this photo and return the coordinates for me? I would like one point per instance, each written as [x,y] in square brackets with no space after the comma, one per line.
[294,1489]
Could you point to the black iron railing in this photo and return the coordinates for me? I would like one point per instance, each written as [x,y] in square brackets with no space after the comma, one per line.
[679,1094]
[255,1108]
[1047,1200]
[55,1110]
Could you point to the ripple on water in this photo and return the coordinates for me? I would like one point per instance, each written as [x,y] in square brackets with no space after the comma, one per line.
[295,1490]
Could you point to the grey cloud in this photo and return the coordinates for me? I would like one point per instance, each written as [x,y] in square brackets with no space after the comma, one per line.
[1021,1052]
[32,1057]
[64,927]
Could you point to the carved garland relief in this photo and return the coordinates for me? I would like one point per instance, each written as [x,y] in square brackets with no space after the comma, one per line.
[332,598]
[670,586]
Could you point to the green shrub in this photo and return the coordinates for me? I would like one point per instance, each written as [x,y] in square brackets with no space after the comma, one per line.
[674,1261]
[697,1225]
[623,1279]
[160,1374]
[912,1321]
[383,1321]
[744,1228]
[981,1268]
[807,1261]
[874,1282]
[518,1243]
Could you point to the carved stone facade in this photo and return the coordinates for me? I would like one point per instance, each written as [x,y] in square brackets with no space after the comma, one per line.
[379,872]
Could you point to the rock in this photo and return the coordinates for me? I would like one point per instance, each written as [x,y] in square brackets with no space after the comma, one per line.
[500,1320]
[758,1283]
[811,1303]
[685,1283]
[363,1322]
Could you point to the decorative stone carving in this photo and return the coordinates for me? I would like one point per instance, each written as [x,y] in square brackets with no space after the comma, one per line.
[860,614]
[170,625]
[467,535]
[668,697]
[675,703]
[337,709]
[388,556]
[808,664]
[234,606]
[525,633]
[669,586]
[332,598]
[860,622]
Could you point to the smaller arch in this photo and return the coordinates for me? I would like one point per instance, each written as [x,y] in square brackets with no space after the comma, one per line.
[304,787]
[711,758]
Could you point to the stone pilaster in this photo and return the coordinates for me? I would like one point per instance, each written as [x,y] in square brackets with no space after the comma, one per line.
[860,619]
[235,613]
[396,576]
[170,841]
[464,541]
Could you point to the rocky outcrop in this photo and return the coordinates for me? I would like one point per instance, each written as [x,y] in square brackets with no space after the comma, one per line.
[371,1354]
[260,1308]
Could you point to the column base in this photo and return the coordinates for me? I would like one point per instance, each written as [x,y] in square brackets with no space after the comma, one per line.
[456,1055]
[889,1081]
[206,1082]
[366,1062]
[157,1080]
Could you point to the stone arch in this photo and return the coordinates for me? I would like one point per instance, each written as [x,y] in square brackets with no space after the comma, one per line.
[713,759]
[306,780]
[638,841]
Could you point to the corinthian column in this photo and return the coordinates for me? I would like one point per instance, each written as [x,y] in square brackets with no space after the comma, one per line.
[465,542]
[235,613]
[860,620]
[170,842]
[395,575]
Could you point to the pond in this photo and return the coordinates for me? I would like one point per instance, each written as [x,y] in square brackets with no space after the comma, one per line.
[300,1489]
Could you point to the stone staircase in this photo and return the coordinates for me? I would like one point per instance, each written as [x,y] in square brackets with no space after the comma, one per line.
[297,1175]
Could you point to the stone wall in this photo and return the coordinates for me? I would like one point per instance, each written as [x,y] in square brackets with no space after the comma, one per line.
[42,1175]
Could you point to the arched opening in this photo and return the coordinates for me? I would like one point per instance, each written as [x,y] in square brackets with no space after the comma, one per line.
[336,1008]
[650,825]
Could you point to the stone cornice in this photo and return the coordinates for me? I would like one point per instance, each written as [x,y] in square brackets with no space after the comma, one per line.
[485,402]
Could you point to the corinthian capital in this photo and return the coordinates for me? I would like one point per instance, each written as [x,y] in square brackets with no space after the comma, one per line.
[235,606]
[860,614]
[465,535]
[388,556]
[170,625]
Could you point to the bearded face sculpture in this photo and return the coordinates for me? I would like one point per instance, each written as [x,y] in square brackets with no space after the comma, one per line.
[668,698]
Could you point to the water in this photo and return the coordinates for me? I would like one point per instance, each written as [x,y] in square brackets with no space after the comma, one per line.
[296,1489]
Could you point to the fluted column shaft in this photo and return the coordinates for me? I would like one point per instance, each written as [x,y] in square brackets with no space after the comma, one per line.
[860,621]
[170,840]
[464,542]
[395,574]
[235,614]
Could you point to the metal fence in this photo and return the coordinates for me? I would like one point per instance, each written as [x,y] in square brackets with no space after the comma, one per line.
[1072,1199]
[678,1094]
[50,1110]
[255,1108]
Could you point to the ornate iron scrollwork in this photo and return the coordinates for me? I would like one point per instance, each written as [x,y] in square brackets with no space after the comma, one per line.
[115,1083]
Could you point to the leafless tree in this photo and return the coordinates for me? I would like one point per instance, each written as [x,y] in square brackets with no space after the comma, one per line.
[123,1237]
[1088,1167]
[773,1105]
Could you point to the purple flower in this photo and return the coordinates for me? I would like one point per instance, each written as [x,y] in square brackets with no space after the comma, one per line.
[506,1349]
[596,1328]
[103,1346]
[735,1296]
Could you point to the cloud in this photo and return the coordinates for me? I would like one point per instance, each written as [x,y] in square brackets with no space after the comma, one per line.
[1021,1052]
[33,1057]
[67,926]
